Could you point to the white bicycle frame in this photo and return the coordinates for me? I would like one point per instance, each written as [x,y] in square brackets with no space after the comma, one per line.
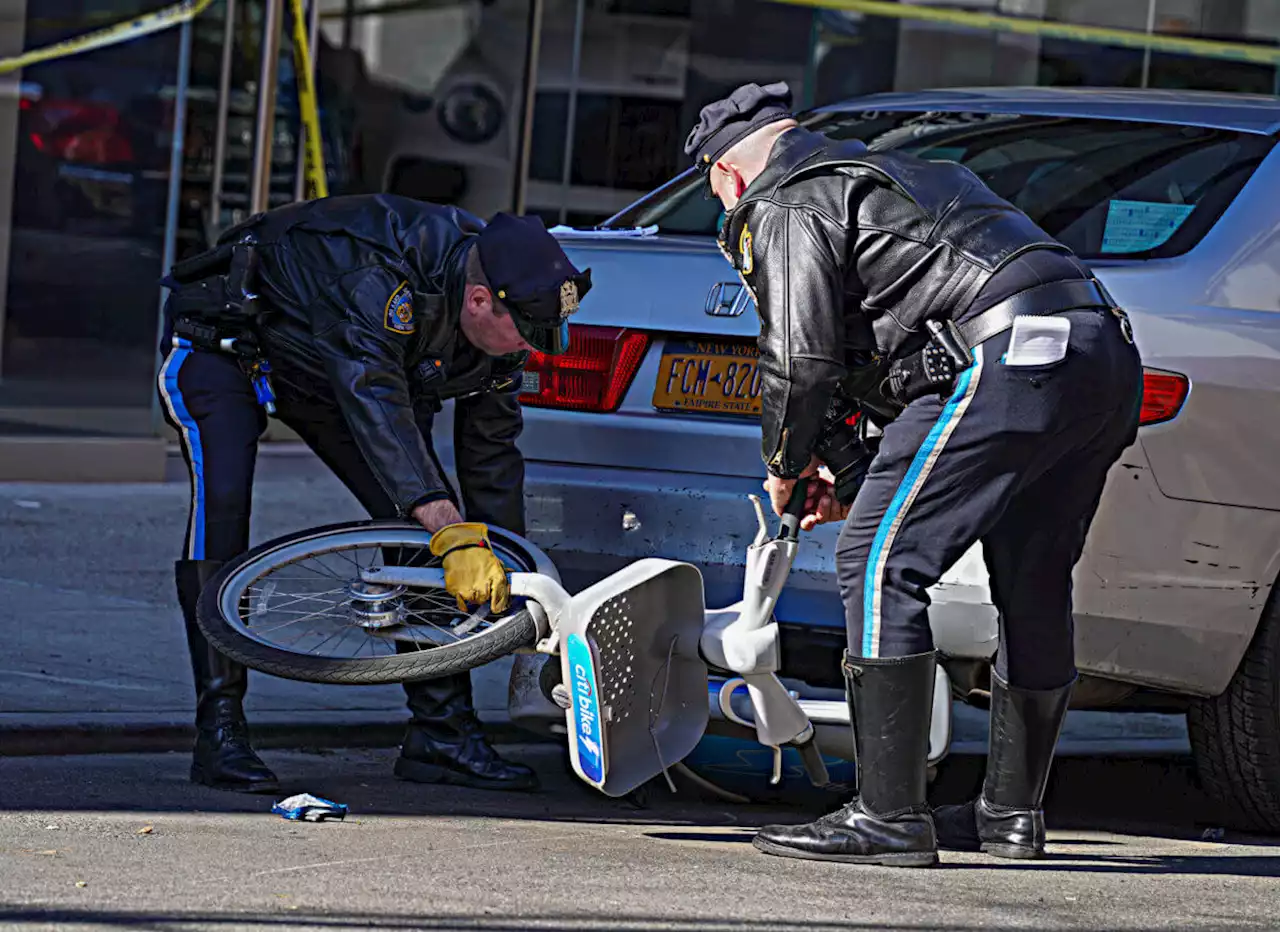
[645,631]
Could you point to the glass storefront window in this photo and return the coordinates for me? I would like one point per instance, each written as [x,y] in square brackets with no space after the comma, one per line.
[90,150]
[426,99]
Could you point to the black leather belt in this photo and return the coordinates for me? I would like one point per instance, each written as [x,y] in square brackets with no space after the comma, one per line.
[1042,300]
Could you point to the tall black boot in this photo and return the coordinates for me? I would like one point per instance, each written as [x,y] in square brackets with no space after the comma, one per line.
[1006,819]
[888,822]
[445,742]
[222,757]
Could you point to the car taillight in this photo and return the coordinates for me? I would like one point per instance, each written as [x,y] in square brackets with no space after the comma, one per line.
[592,375]
[82,132]
[1162,395]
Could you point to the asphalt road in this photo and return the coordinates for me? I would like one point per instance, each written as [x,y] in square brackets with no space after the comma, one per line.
[124,842]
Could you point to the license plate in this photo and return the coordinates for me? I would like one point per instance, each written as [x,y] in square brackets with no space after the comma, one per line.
[710,378]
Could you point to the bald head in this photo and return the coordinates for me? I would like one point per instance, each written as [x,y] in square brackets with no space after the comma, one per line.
[734,171]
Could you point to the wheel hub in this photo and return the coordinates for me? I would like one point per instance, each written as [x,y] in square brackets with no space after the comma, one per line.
[373,606]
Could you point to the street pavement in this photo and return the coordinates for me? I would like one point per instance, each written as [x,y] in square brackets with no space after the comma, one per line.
[93,660]
[92,655]
[107,841]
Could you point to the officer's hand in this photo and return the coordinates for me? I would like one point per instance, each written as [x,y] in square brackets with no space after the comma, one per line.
[435,515]
[780,489]
[472,573]
[823,506]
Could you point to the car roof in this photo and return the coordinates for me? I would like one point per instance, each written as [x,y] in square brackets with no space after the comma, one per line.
[1246,113]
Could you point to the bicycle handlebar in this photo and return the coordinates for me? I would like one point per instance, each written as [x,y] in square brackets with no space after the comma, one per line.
[795,510]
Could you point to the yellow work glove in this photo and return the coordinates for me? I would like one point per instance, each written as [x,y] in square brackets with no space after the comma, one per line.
[472,573]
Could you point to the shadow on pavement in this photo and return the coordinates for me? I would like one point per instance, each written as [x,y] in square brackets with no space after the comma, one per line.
[1216,864]
[172,921]
[1156,797]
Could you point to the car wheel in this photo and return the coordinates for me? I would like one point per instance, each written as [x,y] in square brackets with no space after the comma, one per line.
[1235,737]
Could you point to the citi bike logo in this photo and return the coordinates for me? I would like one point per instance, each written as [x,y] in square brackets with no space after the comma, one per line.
[586,709]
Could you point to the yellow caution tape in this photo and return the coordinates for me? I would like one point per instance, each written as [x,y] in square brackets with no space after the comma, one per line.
[1100,35]
[127,31]
[308,110]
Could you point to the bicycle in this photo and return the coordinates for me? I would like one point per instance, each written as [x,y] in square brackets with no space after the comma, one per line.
[636,649]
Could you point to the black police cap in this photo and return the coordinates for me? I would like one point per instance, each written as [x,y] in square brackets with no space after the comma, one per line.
[724,123]
[530,274]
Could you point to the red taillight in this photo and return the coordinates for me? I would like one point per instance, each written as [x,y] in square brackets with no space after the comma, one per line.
[1162,395]
[592,376]
[82,132]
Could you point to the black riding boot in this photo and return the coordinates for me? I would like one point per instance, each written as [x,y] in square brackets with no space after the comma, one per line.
[1006,819]
[222,757]
[888,822]
[445,742]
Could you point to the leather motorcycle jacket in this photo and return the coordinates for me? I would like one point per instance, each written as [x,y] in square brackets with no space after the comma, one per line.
[848,253]
[360,298]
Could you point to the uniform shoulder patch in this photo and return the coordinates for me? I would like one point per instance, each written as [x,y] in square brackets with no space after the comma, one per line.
[744,250]
[398,316]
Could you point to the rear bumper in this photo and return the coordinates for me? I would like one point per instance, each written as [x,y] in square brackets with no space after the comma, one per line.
[1143,615]
[592,522]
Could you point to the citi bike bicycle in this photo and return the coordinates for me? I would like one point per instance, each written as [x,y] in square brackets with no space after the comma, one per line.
[364,603]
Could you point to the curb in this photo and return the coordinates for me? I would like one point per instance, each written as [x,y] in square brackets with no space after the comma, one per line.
[35,735]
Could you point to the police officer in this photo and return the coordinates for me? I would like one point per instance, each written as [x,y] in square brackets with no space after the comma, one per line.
[352,318]
[1005,384]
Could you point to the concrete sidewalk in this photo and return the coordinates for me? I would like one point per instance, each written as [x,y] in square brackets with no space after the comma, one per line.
[92,653]
[93,659]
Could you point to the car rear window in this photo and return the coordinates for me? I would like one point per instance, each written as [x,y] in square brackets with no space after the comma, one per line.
[1105,188]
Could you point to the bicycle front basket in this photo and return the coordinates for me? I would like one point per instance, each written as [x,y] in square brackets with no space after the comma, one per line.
[636,678]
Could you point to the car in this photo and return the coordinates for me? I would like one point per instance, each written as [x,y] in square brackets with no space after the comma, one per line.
[644,439]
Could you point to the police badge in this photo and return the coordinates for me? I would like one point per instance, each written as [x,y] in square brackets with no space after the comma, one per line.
[398,314]
[568,299]
[744,249]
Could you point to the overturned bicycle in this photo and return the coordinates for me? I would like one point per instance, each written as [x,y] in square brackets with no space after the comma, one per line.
[364,603]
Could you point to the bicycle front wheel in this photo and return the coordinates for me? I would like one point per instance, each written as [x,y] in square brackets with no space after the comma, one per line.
[299,607]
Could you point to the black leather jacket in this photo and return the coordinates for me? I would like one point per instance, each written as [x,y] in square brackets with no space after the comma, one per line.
[361,298]
[848,253]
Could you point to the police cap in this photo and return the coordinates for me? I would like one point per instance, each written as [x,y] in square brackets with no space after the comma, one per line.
[530,274]
[724,123]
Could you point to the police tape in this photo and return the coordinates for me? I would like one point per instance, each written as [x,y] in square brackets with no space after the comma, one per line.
[308,109]
[1097,35]
[126,31]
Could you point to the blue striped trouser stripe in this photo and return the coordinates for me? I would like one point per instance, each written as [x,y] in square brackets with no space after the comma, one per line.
[190,432]
[908,489]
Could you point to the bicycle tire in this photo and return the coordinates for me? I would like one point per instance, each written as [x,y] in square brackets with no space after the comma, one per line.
[505,637]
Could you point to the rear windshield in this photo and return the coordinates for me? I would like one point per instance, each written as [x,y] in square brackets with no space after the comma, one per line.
[1107,189]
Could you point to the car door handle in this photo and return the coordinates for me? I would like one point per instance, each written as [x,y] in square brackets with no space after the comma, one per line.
[727,299]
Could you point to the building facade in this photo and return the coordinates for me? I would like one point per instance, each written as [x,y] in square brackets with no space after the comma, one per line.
[565,108]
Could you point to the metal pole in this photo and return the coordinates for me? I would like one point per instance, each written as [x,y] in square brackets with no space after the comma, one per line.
[175,195]
[348,23]
[532,47]
[214,222]
[313,37]
[571,120]
[1146,53]
[260,194]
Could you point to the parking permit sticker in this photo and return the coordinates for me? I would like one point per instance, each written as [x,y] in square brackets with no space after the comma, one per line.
[1136,226]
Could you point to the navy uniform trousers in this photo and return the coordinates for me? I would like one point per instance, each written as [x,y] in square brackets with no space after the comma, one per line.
[210,402]
[1017,458]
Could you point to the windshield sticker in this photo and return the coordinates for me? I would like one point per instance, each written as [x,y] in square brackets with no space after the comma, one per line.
[1136,226]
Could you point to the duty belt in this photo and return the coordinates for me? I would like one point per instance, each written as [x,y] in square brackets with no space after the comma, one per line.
[932,369]
[1042,300]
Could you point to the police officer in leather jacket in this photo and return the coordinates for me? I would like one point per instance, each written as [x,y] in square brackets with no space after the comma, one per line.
[1005,384]
[353,319]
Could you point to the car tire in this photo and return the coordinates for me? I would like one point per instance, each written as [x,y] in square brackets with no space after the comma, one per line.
[1235,737]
